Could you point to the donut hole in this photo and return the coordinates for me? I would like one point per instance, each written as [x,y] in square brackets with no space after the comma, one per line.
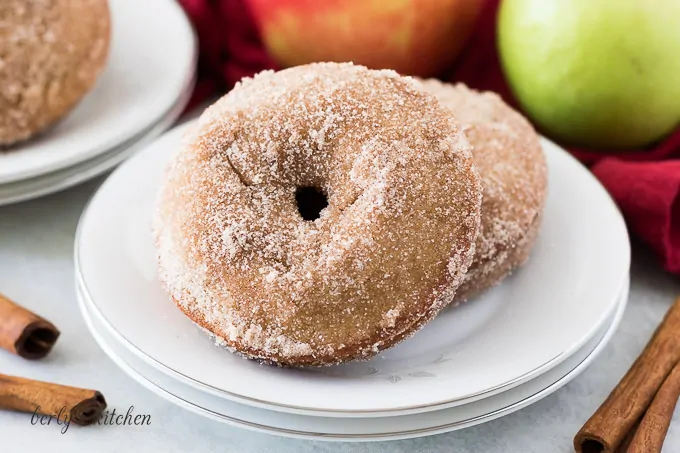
[310,202]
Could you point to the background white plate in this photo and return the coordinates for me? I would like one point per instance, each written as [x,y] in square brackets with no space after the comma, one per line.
[352,429]
[55,181]
[152,61]
[520,329]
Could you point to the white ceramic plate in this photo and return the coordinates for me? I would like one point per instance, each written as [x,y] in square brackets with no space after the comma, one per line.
[518,330]
[351,429]
[152,62]
[38,186]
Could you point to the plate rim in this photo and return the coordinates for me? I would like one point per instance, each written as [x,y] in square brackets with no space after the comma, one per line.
[303,410]
[101,163]
[233,421]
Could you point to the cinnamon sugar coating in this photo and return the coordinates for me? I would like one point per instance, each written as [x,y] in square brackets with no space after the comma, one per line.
[384,257]
[508,155]
[51,52]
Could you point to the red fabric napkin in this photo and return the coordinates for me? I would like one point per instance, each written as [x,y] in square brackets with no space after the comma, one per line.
[230,45]
[644,183]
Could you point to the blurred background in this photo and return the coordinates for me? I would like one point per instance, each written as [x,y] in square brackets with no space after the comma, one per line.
[599,77]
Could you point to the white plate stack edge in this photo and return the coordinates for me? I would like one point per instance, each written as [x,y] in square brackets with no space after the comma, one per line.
[144,88]
[514,345]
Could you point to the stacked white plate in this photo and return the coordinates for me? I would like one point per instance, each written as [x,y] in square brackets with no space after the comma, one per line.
[519,342]
[146,84]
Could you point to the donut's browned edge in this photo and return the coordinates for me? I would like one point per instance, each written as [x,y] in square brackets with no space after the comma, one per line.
[430,306]
[494,270]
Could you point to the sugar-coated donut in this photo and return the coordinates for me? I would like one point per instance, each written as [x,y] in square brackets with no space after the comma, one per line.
[51,52]
[242,252]
[508,155]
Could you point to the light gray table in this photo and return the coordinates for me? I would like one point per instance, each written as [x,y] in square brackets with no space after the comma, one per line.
[36,269]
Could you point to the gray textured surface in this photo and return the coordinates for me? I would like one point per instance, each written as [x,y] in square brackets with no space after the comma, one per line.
[36,268]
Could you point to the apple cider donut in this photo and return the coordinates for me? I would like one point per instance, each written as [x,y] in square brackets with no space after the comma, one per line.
[508,155]
[51,53]
[318,214]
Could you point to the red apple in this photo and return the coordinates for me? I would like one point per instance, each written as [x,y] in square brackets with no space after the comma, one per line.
[418,37]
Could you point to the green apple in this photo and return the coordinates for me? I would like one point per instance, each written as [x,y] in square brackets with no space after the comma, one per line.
[599,73]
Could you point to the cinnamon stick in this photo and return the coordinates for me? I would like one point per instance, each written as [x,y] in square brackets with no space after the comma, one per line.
[624,407]
[626,442]
[67,404]
[24,333]
[652,431]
